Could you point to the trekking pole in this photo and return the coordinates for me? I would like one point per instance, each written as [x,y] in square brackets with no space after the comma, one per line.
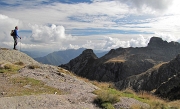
[20,51]
[20,44]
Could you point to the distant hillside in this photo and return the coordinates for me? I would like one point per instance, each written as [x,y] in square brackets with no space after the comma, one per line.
[59,57]
[35,54]
[63,57]
[100,54]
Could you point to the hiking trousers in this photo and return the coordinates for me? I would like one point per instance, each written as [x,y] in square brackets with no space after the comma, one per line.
[15,41]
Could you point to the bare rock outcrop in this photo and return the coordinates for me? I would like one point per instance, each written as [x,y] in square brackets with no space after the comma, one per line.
[14,56]
[162,78]
[170,89]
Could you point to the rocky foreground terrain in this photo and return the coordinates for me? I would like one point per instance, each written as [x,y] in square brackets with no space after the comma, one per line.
[27,84]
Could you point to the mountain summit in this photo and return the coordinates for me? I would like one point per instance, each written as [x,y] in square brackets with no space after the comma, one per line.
[158,42]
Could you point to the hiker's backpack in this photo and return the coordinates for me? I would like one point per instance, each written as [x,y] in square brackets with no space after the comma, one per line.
[12,33]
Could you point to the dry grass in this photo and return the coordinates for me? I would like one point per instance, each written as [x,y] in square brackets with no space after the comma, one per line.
[4,49]
[143,96]
[33,66]
[61,70]
[175,103]
[20,86]
[28,86]
[136,107]
[108,94]
[156,102]
[19,63]
[9,69]
[106,98]
[157,66]
[115,61]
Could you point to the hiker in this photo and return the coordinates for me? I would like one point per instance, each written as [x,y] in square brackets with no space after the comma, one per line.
[15,37]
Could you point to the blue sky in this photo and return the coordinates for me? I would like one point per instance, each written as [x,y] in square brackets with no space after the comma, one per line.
[52,25]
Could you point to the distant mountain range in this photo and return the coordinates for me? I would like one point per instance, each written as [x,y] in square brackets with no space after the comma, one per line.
[141,68]
[36,54]
[59,57]
[63,57]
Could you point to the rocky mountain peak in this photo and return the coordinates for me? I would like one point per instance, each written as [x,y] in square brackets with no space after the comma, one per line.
[159,42]
[88,53]
[156,42]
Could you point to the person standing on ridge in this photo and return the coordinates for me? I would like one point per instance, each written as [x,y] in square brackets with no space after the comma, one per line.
[15,37]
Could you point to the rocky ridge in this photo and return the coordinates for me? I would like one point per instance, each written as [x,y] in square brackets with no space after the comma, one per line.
[140,68]
[121,63]
[163,78]
[77,93]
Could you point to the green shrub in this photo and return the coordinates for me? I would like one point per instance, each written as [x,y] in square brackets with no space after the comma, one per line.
[107,106]
[7,66]
[106,98]
[33,66]
[9,69]
[19,63]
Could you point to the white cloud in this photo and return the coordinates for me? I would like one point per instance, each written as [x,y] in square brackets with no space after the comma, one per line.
[168,37]
[6,25]
[139,42]
[153,5]
[47,38]
[45,34]
[109,43]
[124,15]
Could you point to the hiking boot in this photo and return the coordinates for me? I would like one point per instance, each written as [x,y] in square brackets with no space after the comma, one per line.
[15,49]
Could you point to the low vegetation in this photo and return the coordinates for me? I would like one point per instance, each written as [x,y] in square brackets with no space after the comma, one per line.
[106,98]
[30,86]
[9,69]
[33,66]
[108,95]
[19,86]
[19,63]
